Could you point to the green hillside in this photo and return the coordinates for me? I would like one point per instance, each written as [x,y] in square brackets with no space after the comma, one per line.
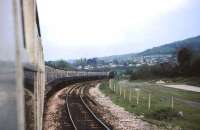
[192,43]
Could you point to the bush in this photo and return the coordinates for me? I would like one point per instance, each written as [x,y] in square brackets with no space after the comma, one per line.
[149,72]
[195,65]
[164,114]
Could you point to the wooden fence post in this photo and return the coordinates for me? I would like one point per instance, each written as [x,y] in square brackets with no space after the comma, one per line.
[114,87]
[117,88]
[110,83]
[120,90]
[172,103]
[138,96]
[130,94]
[149,105]
[124,94]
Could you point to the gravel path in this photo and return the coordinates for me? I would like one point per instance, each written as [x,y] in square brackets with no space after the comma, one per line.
[121,119]
[184,87]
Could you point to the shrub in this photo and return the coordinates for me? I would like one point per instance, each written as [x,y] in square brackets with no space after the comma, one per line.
[195,65]
[149,72]
[164,114]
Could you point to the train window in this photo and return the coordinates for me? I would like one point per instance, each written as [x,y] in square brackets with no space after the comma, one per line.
[38,23]
[23,26]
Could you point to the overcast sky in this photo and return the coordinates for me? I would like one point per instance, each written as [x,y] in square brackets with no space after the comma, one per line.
[91,28]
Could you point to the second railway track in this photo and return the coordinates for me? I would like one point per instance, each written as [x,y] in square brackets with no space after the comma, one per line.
[78,113]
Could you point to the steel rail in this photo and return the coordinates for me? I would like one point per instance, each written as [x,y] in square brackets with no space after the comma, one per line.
[69,113]
[69,91]
[91,112]
[80,90]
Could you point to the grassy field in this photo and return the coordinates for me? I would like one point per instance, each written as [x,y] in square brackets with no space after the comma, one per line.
[179,80]
[169,107]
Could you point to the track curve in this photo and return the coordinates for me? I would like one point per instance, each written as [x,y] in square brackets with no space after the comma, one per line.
[79,113]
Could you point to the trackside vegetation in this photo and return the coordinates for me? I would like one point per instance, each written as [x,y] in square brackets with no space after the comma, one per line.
[170,108]
[187,66]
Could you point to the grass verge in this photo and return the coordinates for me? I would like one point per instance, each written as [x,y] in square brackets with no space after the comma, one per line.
[185,113]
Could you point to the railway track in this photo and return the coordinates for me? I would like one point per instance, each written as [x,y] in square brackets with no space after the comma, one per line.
[78,114]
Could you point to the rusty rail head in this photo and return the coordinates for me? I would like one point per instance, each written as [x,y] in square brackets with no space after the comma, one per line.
[69,113]
[83,103]
[104,125]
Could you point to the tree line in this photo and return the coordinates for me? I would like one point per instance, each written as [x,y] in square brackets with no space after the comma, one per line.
[188,64]
[60,64]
